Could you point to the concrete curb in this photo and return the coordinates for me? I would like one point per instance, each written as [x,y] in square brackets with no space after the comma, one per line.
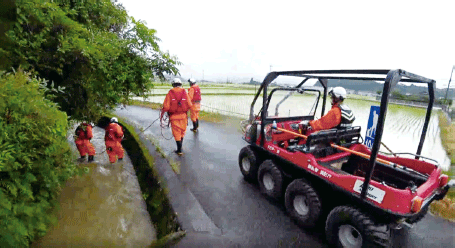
[190,214]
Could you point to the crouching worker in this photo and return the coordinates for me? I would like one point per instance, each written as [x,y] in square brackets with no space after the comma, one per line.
[112,138]
[194,93]
[176,104]
[83,136]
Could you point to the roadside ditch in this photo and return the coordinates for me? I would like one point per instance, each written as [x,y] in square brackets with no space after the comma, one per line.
[153,190]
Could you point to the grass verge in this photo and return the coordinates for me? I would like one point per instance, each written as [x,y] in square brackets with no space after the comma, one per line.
[174,165]
[445,208]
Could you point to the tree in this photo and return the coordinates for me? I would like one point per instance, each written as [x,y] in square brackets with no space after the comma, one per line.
[397,95]
[92,51]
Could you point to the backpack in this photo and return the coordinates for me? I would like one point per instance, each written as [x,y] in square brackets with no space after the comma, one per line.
[178,103]
[197,94]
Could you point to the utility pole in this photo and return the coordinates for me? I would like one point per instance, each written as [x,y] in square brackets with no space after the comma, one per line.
[449,85]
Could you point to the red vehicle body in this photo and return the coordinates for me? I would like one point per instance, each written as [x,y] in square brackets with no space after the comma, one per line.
[364,195]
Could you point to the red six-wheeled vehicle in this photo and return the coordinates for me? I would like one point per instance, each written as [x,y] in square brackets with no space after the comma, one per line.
[364,193]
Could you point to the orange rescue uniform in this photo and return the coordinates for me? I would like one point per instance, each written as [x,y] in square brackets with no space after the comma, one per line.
[330,120]
[178,120]
[194,110]
[84,134]
[112,138]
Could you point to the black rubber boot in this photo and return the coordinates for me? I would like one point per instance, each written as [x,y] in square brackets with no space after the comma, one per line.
[81,159]
[194,129]
[179,148]
[197,124]
[90,158]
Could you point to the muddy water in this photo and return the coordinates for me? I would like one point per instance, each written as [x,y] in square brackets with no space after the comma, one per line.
[101,208]
[403,124]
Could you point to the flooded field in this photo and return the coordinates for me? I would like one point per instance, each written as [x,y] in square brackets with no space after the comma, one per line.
[403,124]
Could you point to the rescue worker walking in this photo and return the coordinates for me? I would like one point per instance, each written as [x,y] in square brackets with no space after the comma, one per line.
[112,138]
[83,136]
[177,104]
[340,116]
[194,93]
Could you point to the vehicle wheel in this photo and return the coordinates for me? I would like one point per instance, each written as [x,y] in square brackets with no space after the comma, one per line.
[248,163]
[270,179]
[419,216]
[302,203]
[348,227]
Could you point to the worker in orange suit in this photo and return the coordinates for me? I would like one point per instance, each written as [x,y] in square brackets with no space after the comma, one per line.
[340,116]
[112,138]
[194,93]
[176,104]
[83,136]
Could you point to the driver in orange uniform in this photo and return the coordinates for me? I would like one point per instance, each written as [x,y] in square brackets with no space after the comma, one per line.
[340,116]
[112,138]
[177,104]
[194,93]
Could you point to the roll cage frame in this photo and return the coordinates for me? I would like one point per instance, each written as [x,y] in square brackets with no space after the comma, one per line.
[390,78]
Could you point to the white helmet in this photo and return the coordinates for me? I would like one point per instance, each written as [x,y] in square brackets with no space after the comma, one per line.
[338,92]
[176,81]
[192,81]
[114,119]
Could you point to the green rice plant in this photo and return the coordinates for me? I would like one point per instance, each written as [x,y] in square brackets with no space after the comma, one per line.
[447,136]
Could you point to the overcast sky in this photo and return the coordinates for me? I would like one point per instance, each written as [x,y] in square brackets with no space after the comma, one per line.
[239,40]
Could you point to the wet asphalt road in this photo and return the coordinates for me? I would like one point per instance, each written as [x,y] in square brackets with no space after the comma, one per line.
[209,169]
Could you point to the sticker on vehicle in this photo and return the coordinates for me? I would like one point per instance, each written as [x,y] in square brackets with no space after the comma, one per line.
[373,193]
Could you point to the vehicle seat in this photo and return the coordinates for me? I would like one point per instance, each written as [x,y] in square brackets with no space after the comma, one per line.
[318,143]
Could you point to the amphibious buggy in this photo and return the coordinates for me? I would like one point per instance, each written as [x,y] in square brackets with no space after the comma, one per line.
[330,175]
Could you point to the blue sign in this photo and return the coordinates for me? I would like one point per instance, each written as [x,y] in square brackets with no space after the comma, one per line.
[371,127]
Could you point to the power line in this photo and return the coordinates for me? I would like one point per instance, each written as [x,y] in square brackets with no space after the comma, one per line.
[449,83]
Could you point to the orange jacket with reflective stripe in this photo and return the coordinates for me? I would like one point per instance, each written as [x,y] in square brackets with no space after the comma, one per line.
[330,120]
[167,103]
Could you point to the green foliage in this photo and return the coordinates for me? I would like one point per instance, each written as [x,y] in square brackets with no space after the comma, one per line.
[91,48]
[35,158]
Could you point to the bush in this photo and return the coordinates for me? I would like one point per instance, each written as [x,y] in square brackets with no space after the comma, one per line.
[35,159]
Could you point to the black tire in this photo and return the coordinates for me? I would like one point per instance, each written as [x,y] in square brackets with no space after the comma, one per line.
[419,216]
[302,203]
[248,163]
[270,180]
[348,227]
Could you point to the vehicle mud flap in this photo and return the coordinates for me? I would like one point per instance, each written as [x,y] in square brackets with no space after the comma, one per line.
[348,227]
[248,163]
[270,180]
[419,216]
[303,203]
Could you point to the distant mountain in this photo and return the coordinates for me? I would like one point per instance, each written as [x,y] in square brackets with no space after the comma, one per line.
[372,86]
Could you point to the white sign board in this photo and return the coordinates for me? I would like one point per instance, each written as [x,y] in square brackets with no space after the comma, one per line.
[373,192]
